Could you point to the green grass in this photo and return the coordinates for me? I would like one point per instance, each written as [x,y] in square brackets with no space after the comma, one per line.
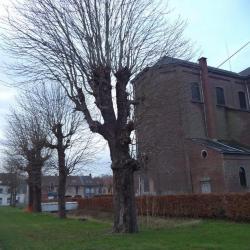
[21,231]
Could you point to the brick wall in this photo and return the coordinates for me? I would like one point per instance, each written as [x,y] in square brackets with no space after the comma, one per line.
[160,130]
[210,167]
[231,172]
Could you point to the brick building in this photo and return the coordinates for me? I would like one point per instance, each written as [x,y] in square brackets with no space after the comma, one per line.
[193,128]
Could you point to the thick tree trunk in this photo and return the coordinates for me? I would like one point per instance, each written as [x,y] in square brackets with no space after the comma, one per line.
[125,214]
[37,190]
[37,199]
[62,173]
[30,186]
[125,219]
[13,197]
[30,198]
[14,186]
[62,190]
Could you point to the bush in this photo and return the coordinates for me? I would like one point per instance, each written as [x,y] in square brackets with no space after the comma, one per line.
[235,206]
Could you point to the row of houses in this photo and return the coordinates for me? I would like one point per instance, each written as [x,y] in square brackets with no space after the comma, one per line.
[76,186]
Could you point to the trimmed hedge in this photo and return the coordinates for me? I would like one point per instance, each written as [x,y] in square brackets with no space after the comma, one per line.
[235,206]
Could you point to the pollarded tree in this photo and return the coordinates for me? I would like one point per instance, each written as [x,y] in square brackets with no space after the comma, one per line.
[26,140]
[66,132]
[93,48]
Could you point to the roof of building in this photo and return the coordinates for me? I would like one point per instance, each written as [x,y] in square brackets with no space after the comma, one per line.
[106,180]
[223,146]
[166,60]
[71,180]
[245,72]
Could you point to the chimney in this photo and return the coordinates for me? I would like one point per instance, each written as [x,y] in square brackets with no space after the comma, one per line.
[209,109]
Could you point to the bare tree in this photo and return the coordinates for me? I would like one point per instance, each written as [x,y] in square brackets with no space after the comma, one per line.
[66,132]
[26,139]
[93,48]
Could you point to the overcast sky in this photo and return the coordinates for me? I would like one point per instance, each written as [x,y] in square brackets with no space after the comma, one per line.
[218,27]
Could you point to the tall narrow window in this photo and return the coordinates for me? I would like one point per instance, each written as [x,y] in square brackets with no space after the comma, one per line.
[242,174]
[242,100]
[205,186]
[196,96]
[220,96]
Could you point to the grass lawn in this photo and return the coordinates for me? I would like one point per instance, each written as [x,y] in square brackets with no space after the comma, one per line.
[21,231]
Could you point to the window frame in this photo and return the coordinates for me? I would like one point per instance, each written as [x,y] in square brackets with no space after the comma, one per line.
[195,92]
[242,102]
[242,176]
[220,96]
[206,186]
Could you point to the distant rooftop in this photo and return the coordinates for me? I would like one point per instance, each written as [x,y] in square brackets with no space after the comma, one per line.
[71,180]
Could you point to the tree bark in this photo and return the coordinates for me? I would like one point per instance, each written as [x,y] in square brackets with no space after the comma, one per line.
[36,206]
[125,213]
[30,186]
[37,190]
[62,184]
[63,171]
[13,197]
[125,219]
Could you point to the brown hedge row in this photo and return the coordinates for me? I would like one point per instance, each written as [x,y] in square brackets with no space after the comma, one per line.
[235,206]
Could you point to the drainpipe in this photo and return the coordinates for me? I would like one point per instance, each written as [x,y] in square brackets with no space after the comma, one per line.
[209,109]
[248,99]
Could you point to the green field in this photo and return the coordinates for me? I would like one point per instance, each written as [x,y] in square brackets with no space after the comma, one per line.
[21,231]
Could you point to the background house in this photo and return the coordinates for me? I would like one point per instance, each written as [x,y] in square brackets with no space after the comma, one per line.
[77,186]
[105,184]
[192,128]
[9,190]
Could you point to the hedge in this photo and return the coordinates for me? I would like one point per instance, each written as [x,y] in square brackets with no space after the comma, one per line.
[235,206]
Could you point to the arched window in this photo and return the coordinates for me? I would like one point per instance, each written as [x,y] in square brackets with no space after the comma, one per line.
[196,96]
[242,174]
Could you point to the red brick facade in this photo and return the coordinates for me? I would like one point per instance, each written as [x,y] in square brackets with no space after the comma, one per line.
[169,120]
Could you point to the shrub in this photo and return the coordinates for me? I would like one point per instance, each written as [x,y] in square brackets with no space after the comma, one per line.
[235,206]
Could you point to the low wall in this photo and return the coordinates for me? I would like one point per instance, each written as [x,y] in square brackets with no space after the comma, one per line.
[235,206]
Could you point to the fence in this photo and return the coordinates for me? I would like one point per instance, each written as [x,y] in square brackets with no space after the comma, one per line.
[235,206]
